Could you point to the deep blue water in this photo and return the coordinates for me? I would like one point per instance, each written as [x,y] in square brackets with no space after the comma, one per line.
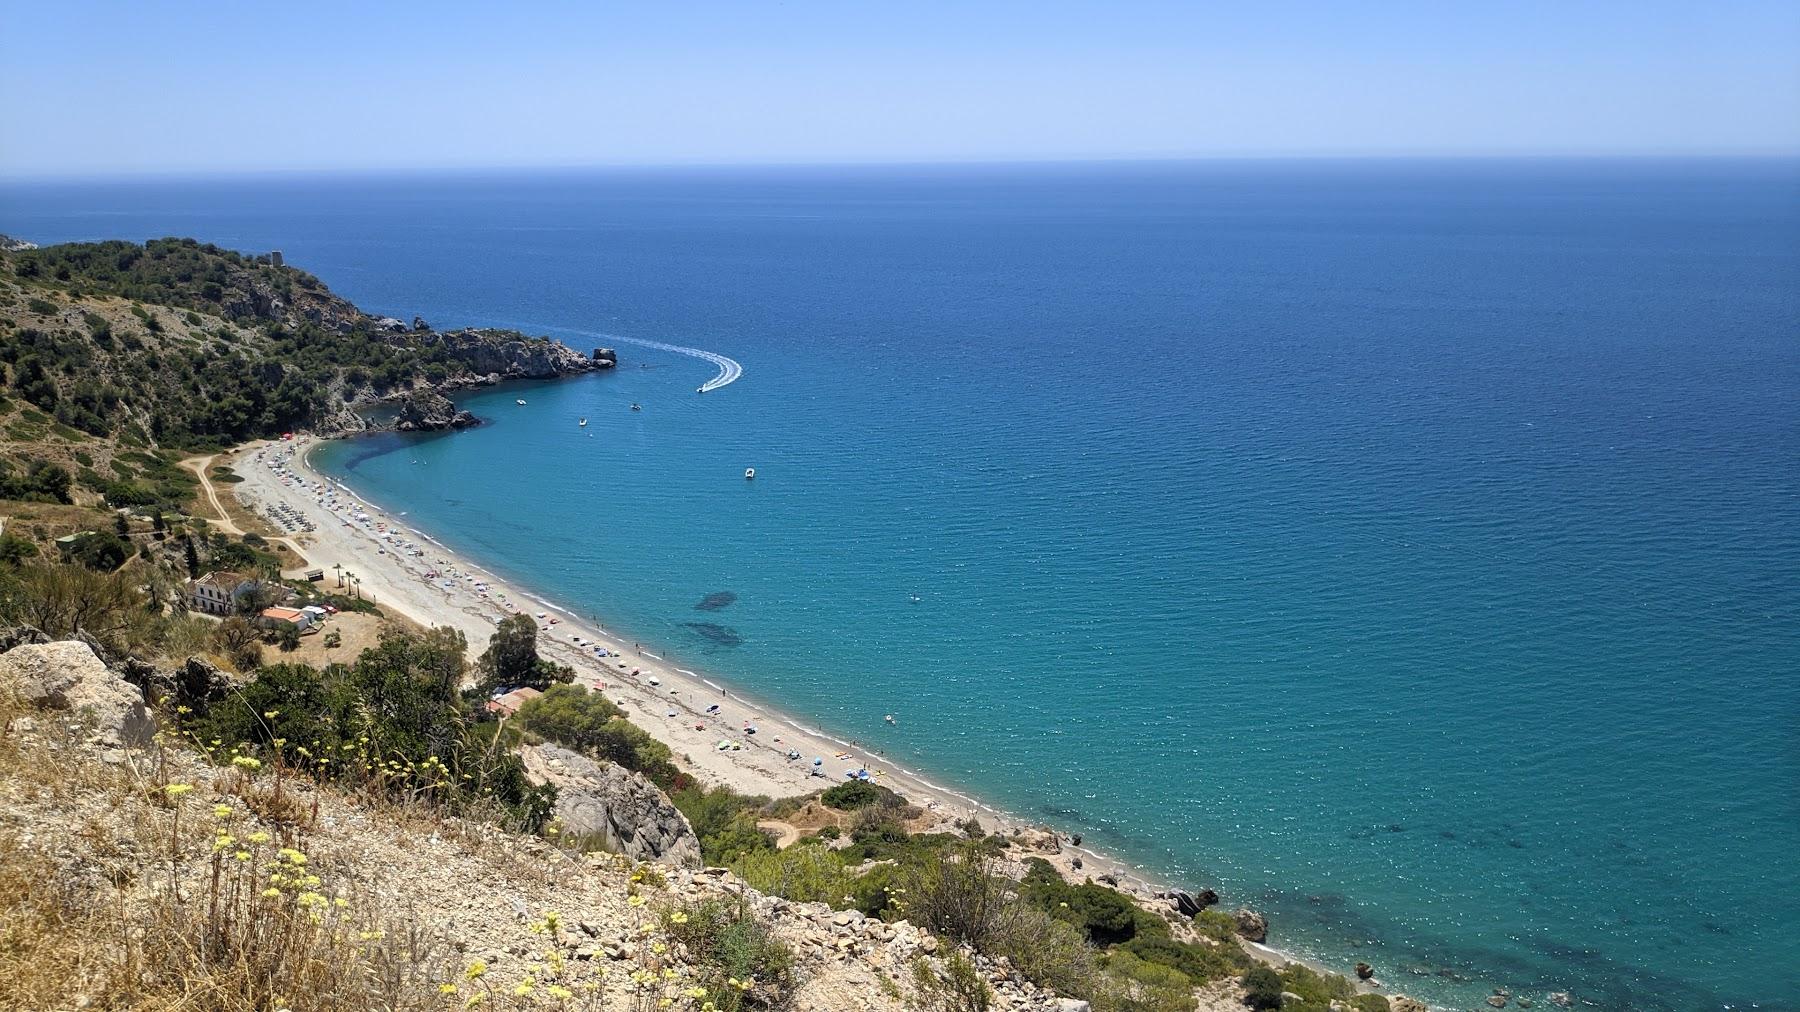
[1410,550]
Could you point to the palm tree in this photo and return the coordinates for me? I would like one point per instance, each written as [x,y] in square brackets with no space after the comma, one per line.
[338,568]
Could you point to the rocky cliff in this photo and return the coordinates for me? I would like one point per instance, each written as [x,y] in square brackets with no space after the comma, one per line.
[426,410]
[614,806]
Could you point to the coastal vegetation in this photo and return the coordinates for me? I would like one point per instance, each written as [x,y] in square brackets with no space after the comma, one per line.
[182,344]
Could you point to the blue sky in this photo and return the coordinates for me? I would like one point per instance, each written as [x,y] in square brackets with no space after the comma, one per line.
[150,87]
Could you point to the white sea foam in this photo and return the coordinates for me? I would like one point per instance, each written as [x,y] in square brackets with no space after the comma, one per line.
[729,369]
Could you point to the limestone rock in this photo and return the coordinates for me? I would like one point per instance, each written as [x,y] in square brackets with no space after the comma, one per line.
[20,635]
[1401,1003]
[622,809]
[1251,924]
[430,411]
[67,676]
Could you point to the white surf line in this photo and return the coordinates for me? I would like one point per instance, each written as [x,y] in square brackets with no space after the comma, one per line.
[729,369]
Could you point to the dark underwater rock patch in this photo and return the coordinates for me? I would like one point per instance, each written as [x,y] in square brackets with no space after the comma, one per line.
[723,635]
[716,600]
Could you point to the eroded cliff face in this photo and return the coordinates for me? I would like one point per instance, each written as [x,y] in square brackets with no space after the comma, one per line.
[625,812]
[493,355]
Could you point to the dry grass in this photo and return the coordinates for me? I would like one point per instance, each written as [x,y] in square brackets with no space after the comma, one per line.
[158,882]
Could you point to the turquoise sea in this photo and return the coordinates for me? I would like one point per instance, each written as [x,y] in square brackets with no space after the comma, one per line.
[1408,549]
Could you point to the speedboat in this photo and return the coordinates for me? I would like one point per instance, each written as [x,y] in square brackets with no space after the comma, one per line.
[749,474]
[636,407]
[520,400]
[582,423]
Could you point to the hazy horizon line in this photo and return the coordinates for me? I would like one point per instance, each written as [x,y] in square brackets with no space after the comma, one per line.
[351,171]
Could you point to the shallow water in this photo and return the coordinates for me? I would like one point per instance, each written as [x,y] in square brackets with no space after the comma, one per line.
[1409,550]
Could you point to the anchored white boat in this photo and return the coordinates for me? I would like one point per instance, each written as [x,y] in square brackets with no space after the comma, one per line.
[749,474]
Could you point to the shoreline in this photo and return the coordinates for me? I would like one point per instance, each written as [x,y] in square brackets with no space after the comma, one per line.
[431,584]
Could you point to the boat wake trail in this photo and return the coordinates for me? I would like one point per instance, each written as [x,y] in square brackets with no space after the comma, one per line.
[729,369]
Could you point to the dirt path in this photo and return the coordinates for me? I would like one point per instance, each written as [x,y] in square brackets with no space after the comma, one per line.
[200,465]
[786,834]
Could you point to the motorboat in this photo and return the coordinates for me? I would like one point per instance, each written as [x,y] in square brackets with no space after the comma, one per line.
[749,474]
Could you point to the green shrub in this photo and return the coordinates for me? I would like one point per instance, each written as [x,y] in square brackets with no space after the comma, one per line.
[1106,916]
[804,873]
[587,722]
[725,822]
[958,988]
[1198,960]
[1132,985]
[956,891]
[724,940]
[102,552]
[1049,952]
[855,794]
[1262,988]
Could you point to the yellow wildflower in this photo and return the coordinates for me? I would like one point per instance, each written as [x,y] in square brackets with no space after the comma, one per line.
[177,790]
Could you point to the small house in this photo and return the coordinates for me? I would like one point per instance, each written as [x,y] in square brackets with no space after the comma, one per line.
[296,617]
[217,593]
[507,703]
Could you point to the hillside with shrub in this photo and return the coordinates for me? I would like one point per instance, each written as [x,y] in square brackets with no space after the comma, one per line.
[184,345]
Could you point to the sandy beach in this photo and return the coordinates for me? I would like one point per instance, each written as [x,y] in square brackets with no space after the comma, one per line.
[405,570]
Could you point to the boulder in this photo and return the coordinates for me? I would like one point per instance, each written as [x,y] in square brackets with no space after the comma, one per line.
[1189,904]
[195,684]
[19,635]
[67,676]
[1401,1003]
[1251,925]
[605,358]
[625,812]
[1497,1000]
[1364,971]
[1561,999]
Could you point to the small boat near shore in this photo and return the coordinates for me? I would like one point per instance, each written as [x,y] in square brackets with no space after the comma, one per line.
[519,401]
[582,423]
[749,474]
[635,406]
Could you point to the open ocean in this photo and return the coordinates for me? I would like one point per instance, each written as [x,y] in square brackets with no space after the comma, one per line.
[1409,550]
